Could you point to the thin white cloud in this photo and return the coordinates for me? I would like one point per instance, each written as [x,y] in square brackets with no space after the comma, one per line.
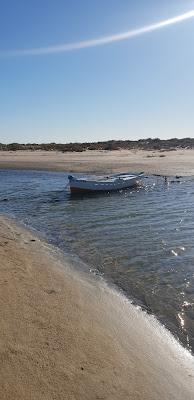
[62,48]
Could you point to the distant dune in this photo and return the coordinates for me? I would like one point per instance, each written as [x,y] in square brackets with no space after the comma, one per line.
[141,144]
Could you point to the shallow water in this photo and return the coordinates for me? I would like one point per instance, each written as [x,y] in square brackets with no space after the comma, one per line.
[141,240]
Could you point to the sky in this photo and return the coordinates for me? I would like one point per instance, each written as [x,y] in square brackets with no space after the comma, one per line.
[135,88]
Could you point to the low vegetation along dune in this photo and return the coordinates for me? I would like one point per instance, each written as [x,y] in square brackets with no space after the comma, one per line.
[141,144]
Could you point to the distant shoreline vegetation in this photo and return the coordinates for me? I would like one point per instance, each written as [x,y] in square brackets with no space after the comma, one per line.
[141,144]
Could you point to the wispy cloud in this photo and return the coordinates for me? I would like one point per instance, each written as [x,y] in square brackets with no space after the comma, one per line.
[62,48]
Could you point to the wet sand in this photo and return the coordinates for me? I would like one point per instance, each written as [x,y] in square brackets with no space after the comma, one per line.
[178,162]
[66,335]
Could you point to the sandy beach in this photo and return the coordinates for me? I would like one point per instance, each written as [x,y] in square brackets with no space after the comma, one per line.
[177,162]
[66,335]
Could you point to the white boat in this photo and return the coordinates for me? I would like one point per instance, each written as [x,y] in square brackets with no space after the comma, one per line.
[104,183]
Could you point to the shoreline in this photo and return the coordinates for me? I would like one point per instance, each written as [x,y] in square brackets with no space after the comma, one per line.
[65,334]
[177,162]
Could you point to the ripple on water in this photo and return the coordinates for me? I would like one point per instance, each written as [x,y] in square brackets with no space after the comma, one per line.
[141,240]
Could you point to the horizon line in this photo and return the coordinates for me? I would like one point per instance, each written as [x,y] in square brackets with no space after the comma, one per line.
[95,142]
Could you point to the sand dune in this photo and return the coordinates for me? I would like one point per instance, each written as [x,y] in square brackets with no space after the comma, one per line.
[65,335]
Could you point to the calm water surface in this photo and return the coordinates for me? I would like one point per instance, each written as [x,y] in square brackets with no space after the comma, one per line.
[141,240]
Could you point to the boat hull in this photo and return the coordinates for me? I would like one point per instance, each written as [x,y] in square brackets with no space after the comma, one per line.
[81,186]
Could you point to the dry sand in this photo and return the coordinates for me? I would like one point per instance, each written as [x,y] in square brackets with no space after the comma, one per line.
[179,162]
[65,335]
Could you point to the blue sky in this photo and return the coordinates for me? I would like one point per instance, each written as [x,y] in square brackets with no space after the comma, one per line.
[138,88]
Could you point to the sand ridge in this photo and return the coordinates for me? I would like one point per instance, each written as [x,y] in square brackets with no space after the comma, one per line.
[177,162]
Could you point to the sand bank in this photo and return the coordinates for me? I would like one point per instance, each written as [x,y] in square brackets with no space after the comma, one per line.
[179,162]
[65,335]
